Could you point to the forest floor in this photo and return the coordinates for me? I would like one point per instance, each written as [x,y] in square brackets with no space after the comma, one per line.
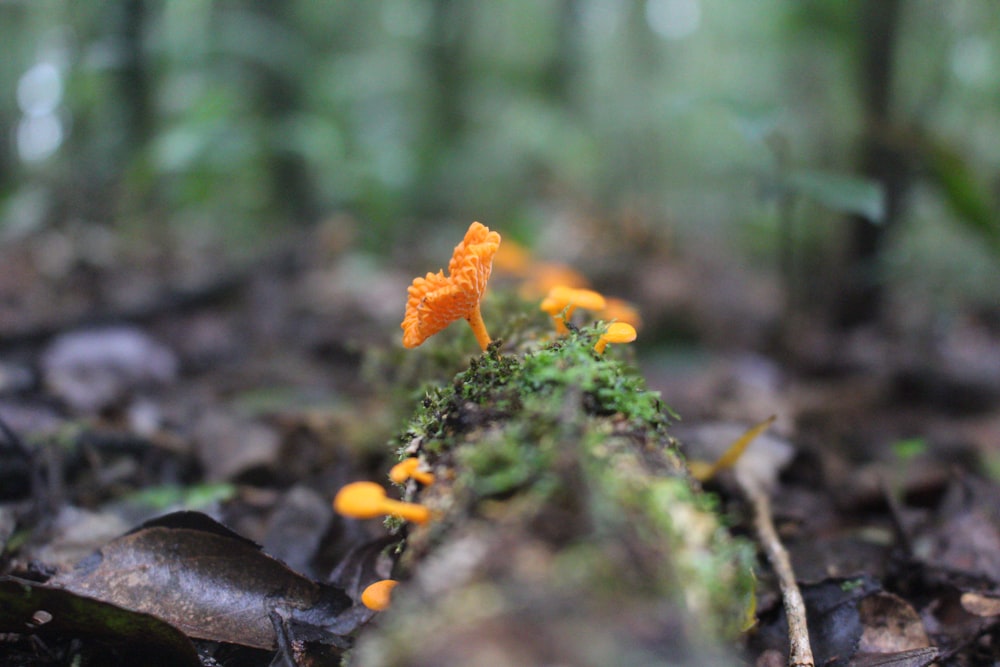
[136,382]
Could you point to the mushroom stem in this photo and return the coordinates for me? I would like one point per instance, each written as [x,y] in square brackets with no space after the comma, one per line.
[560,324]
[475,320]
[602,343]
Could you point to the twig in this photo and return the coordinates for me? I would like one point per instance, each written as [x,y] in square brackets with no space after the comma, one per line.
[799,650]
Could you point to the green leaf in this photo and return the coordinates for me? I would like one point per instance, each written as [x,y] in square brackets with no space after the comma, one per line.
[841,192]
[963,193]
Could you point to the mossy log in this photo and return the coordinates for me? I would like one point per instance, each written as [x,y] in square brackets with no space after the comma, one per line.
[567,529]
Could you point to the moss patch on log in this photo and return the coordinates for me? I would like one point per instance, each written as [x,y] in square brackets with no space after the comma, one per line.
[567,527]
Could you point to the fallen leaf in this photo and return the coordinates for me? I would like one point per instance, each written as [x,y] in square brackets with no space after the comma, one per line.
[890,625]
[28,607]
[703,471]
[759,457]
[981,605]
[920,657]
[206,580]
[964,537]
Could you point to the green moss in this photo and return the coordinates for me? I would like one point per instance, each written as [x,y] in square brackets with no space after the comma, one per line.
[505,385]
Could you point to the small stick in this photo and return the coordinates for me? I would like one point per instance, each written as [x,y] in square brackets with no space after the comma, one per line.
[799,650]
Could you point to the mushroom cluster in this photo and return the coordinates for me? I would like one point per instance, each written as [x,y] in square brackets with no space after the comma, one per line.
[368,500]
[562,301]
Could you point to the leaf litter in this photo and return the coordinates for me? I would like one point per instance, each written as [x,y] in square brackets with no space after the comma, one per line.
[897,559]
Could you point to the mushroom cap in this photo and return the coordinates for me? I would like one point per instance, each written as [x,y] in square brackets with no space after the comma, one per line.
[360,500]
[378,595]
[587,299]
[622,311]
[410,468]
[556,300]
[561,296]
[403,470]
[436,300]
[619,332]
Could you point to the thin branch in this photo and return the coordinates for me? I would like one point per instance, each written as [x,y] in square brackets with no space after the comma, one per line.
[799,650]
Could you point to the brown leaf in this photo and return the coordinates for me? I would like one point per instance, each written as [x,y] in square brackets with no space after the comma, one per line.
[890,625]
[205,580]
[964,538]
[920,657]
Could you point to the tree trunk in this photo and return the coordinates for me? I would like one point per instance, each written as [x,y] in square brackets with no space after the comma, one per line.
[863,283]
[277,97]
[133,77]
[556,513]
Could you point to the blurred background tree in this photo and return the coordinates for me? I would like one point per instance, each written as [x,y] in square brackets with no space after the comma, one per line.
[853,144]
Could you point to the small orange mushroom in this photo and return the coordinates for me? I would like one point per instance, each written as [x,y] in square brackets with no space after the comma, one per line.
[377,596]
[367,500]
[562,301]
[408,469]
[618,332]
[436,300]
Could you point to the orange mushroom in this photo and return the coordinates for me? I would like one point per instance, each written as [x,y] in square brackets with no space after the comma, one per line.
[543,277]
[436,300]
[562,301]
[377,596]
[618,332]
[621,311]
[408,469]
[367,500]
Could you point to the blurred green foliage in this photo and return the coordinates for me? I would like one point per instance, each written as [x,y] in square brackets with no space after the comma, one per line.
[238,119]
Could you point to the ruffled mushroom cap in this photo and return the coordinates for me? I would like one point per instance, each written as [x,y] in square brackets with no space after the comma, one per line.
[436,300]
[367,500]
[409,469]
[562,301]
[377,596]
[618,332]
